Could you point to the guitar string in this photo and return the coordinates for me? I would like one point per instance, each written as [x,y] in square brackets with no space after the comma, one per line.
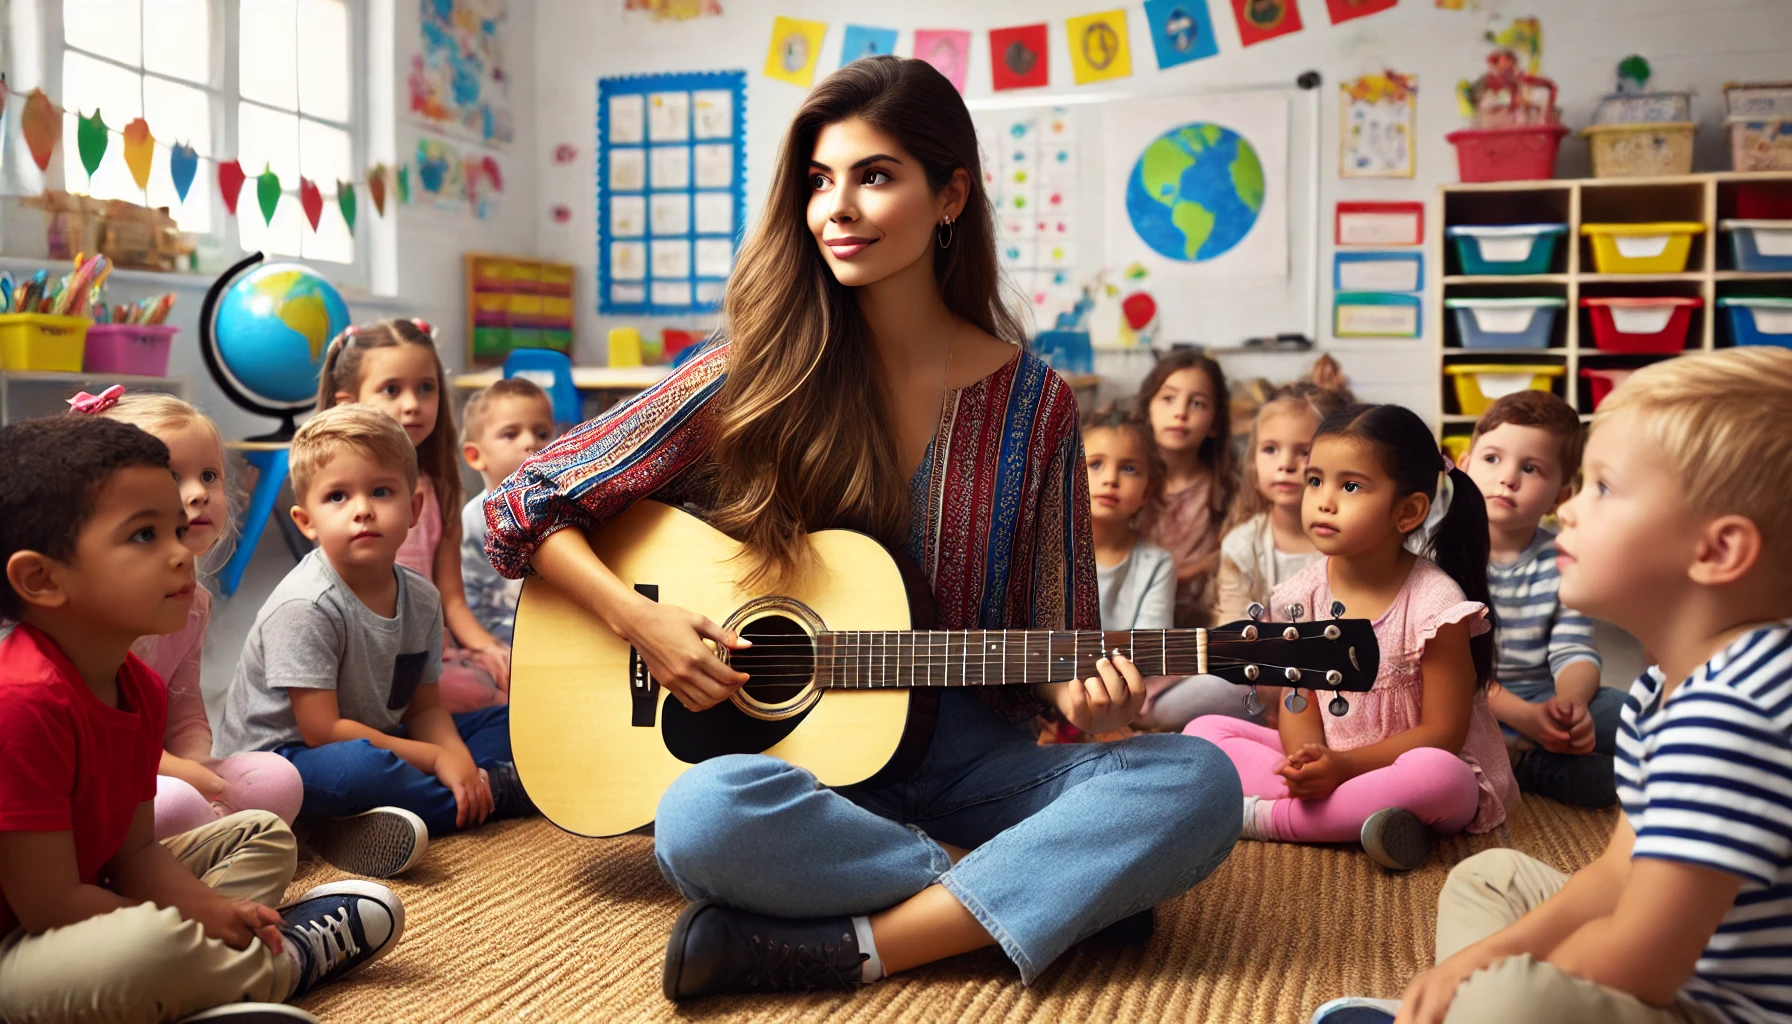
[1220,663]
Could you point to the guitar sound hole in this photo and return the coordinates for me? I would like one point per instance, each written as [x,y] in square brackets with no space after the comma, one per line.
[781,661]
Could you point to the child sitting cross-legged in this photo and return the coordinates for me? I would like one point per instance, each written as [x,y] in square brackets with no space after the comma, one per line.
[1682,535]
[502,425]
[1560,721]
[339,671]
[98,920]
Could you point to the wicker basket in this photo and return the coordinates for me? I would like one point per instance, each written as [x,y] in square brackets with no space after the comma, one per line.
[1641,150]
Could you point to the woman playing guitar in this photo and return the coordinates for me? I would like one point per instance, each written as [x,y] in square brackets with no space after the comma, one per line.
[872,378]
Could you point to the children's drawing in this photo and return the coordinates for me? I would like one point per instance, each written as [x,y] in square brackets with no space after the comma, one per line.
[1375,137]
[459,81]
[948,50]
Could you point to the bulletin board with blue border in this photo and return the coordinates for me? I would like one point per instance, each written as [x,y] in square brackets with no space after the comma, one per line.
[671,190]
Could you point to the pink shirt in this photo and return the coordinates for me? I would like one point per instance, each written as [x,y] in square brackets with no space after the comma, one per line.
[175,658]
[1427,602]
[419,549]
[1183,524]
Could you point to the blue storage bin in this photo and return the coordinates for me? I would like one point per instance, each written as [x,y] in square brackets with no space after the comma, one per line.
[1506,323]
[1506,248]
[1760,244]
[1759,321]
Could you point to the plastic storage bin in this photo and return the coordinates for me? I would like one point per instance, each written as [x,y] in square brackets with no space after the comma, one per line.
[128,349]
[38,341]
[1506,248]
[1763,200]
[1759,321]
[1456,446]
[1641,150]
[1759,245]
[1505,323]
[1758,99]
[1757,145]
[1632,108]
[1478,385]
[1637,325]
[1659,248]
[1601,382]
[1507,154]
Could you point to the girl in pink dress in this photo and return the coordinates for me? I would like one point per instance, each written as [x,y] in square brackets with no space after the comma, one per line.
[393,366]
[192,787]
[1184,399]
[1419,755]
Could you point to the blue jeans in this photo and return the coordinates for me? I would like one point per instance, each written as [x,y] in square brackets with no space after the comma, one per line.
[347,778]
[1604,709]
[1065,840]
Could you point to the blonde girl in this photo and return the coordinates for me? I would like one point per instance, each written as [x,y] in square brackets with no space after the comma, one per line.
[1184,399]
[393,366]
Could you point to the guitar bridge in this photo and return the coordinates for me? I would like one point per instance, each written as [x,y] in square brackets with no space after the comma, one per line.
[643,689]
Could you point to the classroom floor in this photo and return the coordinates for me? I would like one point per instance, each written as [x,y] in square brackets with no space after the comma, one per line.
[521,921]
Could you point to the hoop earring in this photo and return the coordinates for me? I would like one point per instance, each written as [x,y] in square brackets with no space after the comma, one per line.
[945,240]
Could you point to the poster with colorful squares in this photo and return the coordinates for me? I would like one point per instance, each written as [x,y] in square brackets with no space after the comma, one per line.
[1030,172]
[671,187]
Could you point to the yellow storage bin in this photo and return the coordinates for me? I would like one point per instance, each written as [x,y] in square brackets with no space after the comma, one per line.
[555,308]
[491,302]
[1456,446]
[1478,385]
[526,305]
[1654,248]
[38,341]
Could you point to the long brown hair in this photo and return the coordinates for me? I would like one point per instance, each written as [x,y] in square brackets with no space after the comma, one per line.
[802,438]
[1320,401]
[1216,449]
[437,457]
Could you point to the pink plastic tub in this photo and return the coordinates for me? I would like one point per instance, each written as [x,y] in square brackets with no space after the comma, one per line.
[130,349]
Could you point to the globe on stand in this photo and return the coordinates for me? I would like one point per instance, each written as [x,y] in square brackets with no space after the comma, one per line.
[264,334]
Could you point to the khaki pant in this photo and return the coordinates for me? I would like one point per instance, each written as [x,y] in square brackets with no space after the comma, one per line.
[1493,889]
[144,964]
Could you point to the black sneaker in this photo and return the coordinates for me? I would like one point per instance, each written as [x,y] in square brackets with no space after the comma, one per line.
[1579,780]
[1131,930]
[251,1013]
[717,949]
[339,928]
[1395,838]
[380,843]
[509,800]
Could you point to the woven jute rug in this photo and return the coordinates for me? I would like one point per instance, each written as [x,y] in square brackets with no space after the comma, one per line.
[521,922]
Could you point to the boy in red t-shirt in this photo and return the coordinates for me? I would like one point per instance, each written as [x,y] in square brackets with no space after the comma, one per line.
[98,921]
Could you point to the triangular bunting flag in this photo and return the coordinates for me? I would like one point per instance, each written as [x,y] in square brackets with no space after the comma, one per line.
[183,164]
[230,183]
[42,128]
[376,187]
[139,151]
[311,201]
[92,138]
[345,201]
[267,193]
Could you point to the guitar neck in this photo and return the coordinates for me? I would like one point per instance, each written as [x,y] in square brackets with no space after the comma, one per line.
[903,659]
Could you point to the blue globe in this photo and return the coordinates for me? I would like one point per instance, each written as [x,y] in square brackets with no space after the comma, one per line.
[1195,193]
[272,327]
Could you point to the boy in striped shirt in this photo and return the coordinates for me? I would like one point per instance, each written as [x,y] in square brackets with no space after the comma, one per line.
[1681,534]
[1560,722]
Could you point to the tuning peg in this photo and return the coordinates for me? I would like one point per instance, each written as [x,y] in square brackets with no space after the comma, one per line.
[1333,632]
[1295,611]
[1337,609]
[1291,674]
[1295,703]
[1334,677]
[1339,707]
[1251,672]
[1252,706]
[1291,634]
[1249,632]
[1255,612]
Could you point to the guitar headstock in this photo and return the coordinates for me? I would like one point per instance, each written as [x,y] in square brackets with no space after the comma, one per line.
[1335,654]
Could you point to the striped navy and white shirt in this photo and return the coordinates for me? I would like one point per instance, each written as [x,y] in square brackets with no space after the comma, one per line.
[1705,778]
[1536,637]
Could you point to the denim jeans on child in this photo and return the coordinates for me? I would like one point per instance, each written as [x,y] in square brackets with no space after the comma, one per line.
[1583,780]
[347,778]
[1064,840]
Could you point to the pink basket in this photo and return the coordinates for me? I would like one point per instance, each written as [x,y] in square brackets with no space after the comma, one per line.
[130,349]
[1507,154]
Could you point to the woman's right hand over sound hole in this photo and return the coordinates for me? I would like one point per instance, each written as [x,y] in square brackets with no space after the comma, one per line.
[671,641]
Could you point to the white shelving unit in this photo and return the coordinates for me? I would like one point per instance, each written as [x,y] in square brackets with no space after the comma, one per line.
[25,393]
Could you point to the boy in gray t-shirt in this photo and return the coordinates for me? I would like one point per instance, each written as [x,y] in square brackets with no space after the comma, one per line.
[504,423]
[339,671]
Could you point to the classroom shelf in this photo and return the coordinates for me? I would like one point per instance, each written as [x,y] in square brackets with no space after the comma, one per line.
[41,392]
[1703,198]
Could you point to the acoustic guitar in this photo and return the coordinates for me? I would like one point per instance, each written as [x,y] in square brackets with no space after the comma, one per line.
[840,684]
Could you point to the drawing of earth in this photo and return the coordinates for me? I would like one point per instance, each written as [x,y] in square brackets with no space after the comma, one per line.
[1196,192]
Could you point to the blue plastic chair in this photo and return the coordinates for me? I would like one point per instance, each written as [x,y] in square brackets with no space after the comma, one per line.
[553,371]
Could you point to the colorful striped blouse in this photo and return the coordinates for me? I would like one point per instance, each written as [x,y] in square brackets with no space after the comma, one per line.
[998,509]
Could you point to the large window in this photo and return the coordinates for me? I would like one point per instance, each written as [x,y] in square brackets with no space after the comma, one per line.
[291,106]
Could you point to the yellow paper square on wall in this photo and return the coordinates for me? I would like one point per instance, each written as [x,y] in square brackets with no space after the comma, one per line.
[795,47]
[1098,48]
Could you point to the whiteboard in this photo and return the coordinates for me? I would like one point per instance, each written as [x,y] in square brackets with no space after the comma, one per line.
[1215,312]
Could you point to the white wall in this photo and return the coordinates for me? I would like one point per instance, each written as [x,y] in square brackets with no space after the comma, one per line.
[1697,45]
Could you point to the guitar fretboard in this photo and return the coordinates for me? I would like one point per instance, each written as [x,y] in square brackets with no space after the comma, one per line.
[890,659]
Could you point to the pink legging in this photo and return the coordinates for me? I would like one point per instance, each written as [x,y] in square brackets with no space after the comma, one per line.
[1434,784]
[262,781]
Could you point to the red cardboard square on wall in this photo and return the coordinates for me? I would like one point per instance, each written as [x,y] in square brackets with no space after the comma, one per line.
[1017,57]
[1344,10]
[1259,20]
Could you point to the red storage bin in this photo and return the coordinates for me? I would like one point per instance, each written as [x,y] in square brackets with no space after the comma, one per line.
[1757,200]
[1507,154]
[130,349]
[1603,381]
[1649,326]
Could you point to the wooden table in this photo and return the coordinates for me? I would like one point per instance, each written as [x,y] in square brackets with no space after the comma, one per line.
[585,378]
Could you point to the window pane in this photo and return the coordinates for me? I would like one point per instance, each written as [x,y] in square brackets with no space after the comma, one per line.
[110,28]
[282,238]
[180,113]
[267,138]
[267,60]
[323,39]
[177,39]
[118,94]
[332,241]
[324,153]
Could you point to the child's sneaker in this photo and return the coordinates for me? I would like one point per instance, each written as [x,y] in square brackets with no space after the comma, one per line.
[251,1013]
[509,799]
[380,843]
[1357,1010]
[336,929]
[1395,838]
